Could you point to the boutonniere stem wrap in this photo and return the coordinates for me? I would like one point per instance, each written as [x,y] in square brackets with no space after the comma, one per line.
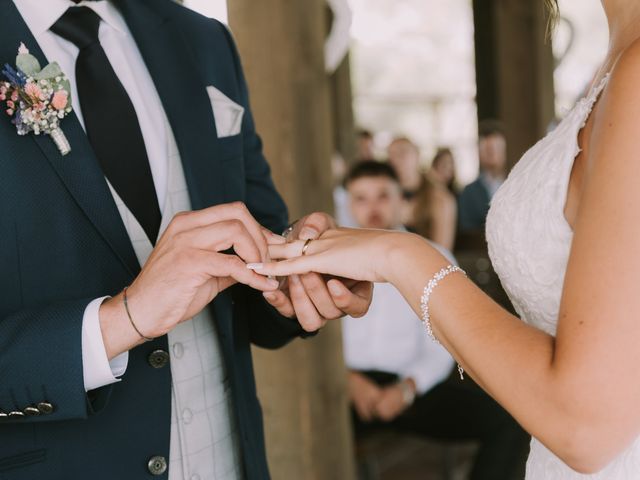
[36,99]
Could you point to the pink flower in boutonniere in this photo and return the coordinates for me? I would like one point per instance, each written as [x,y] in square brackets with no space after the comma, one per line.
[60,100]
[37,98]
[34,91]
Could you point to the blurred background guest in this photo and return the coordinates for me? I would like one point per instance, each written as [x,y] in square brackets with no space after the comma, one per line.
[404,157]
[443,170]
[430,208]
[473,204]
[365,145]
[342,213]
[401,380]
[435,211]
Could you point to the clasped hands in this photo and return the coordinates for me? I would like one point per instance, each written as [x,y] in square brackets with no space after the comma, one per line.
[204,252]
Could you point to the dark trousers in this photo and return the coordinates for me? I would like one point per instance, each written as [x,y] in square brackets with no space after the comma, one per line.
[458,410]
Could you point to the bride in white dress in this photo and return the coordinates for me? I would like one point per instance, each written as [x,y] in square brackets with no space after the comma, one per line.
[564,236]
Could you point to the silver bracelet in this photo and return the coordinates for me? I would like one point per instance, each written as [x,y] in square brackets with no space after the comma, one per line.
[126,307]
[424,302]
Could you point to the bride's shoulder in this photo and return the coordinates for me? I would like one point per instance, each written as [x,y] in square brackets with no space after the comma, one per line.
[620,103]
[625,75]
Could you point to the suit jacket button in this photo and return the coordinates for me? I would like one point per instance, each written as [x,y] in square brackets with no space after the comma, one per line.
[157,465]
[16,414]
[158,358]
[31,411]
[45,408]
[3,415]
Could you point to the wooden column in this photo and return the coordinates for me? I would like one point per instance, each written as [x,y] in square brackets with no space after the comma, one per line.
[303,386]
[514,69]
[343,118]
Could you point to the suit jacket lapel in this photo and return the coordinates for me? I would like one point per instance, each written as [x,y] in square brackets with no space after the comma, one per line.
[175,73]
[79,170]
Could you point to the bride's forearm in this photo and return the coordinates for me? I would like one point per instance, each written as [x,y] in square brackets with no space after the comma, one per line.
[512,361]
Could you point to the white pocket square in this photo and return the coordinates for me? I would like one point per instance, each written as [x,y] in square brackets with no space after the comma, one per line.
[227,113]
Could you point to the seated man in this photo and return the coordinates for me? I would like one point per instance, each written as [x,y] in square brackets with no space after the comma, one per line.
[402,380]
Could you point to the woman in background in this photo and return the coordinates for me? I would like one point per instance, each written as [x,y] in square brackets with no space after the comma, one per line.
[443,170]
[434,209]
[430,209]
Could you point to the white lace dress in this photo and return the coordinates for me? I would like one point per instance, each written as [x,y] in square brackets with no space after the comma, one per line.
[529,243]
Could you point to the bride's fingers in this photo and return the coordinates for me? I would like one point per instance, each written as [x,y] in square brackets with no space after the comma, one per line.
[294,249]
[285,268]
[287,250]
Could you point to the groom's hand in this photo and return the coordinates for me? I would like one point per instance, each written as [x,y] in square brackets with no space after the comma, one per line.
[313,298]
[188,267]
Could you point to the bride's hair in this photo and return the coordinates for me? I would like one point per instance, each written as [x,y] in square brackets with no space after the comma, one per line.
[554,15]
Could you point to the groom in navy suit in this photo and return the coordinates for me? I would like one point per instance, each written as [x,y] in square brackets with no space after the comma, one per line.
[97,385]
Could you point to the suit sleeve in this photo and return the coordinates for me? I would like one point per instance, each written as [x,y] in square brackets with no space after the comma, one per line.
[269,329]
[41,364]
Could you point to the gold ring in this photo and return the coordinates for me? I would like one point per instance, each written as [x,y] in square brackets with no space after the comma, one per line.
[306,246]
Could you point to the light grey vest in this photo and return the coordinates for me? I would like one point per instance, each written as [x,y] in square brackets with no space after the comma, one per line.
[204,444]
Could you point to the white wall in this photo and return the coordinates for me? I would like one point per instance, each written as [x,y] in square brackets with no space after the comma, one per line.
[211,8]
[414,75]
[575,73]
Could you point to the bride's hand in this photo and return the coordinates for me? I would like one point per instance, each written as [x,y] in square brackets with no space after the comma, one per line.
[358,254]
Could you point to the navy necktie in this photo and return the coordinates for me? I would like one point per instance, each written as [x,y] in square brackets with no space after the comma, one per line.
[110,120]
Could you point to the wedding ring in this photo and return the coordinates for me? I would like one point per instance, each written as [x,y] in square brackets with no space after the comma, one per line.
[306,246]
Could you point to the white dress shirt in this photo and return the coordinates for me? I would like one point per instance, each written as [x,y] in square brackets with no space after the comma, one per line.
[491,183]
[204,443]
[391,338]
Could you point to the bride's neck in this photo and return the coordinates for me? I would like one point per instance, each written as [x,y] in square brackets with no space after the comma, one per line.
[623,17]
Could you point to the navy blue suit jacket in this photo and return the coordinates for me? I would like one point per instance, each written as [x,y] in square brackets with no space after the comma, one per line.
[473,207]
[63,243]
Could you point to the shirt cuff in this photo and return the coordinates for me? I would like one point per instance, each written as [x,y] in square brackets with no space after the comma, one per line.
[433,369]
[97,370]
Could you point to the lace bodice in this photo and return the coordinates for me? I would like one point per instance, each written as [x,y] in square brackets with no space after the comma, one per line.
[529,244]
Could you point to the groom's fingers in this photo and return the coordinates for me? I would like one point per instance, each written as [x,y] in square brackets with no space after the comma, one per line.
[306,312]
[280,302]
[314,225]
[272,238]
[355,301]
[222,236]
[218,265]
[237,211]
[318,292]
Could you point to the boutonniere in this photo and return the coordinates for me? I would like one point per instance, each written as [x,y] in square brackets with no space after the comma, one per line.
[36,99]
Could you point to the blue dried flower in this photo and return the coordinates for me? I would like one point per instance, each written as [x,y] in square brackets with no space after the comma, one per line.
[16,77]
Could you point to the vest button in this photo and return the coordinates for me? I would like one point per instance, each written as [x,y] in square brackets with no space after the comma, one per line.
[178,350]
[31,411]
[158,358]
[16,414]
[157,465]
[45,408]
[187,416]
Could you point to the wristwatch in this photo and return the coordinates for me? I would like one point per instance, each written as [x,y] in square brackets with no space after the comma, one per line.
[408,393]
